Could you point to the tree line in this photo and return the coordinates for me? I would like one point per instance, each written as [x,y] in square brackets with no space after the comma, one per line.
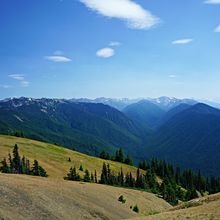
[155,176]
[187,179]
[118,157]
[17,165]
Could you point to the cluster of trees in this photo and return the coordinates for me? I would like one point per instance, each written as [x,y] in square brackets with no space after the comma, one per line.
[174,180]
[74,175]
[18,165]
[119,157]
[158,177]
[18,134]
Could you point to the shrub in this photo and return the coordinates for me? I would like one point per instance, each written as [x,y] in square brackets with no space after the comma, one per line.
[136,209]
[121,199]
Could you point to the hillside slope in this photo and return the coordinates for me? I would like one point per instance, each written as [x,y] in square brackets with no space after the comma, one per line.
[205,208]
[34,198]
[54,158]
[191,139]
[29,197]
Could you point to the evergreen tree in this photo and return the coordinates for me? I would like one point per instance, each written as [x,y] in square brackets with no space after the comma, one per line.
[121,156]
[86,177]
[143,165]
[121,199]
[116,155]
[104,155]
[177,175]
[131,180]
[92,178]
[138,182]
[42,171]
[11,166]
[16,160]
[128,160]
[72,175]
[136,209]
[191,194]
[28,169]
[35,168]
[4,168]
[108,175]
[96,180]
[23,165]
[104,174]
[81,167]
[127,180]
[121,178]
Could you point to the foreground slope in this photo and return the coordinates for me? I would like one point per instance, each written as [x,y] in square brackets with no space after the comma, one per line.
[205,208]
[26,197]
[29,197]
[55,159]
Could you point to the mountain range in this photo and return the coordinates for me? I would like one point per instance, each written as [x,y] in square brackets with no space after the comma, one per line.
[184,132]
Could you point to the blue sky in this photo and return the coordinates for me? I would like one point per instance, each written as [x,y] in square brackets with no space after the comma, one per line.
[111,48]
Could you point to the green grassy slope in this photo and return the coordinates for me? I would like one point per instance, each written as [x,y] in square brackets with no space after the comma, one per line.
[54,158]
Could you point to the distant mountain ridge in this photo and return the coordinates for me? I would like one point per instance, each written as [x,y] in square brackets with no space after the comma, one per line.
[163,102]
[144,113]
[88,127]
[191,138]
[181,131]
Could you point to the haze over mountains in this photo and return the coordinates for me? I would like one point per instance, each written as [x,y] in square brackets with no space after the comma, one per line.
[183,132]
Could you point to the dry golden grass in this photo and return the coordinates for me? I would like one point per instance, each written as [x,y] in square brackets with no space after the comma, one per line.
[55,159]
[205,208]
[29,198]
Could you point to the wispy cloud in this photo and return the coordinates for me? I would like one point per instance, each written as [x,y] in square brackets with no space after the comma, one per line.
[183,41]
[58,59]
[105,52]
[129,11]
[213,2]
[217,29]
[20,78]
[114,44]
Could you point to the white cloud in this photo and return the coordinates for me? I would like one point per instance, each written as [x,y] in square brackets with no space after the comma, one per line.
[18,77]
[132,13]
[58,59]
[114,44]
[183,41]
[214,2]
[217,29]
[172,76]
[105,52]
